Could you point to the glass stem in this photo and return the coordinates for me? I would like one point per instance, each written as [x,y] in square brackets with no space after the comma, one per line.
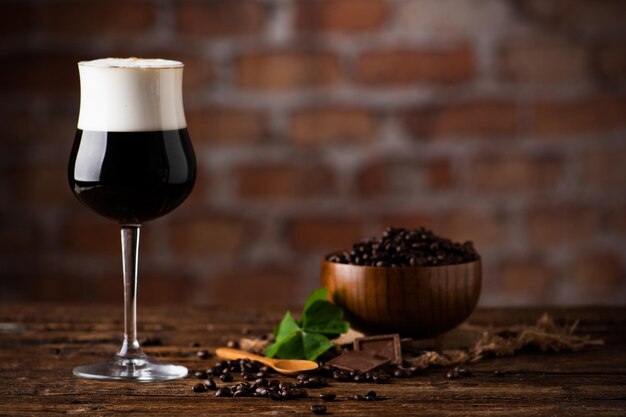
[130,256]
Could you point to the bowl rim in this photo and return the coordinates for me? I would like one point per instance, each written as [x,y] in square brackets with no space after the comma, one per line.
[395,268]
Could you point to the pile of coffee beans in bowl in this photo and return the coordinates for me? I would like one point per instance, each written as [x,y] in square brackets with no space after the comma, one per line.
[404,247]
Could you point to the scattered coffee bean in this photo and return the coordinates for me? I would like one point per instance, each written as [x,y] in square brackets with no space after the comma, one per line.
[226,377]
[200,374]
[203,354]
[371,395]
[223,392]
[199,387]
[462,372]
[457,373]
[452,375]
[328,396]
[210,384]
[402,373]
[319,409]
[403,247]
[232,344]
[194,344]
[262,382]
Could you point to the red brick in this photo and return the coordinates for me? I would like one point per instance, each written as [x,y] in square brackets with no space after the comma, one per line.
[612,62]
[483,118]
[605,169]
[516,173]
[41,185]
[327,234]
[39,73]
[527,280]
[578,16]
[91,235]
[596,276]
[284,181]
[280,70]
[208,237]
[160,287]
[407,219]
[562,224]
[219,17]
[346,16]
[441,174]
[407,66]
[536,62]
[616,219]
[19,236]
[16,18]
[255,286]
[585,115]
[226,126]
[28,127]
[197,73]
[76,17]
[326,125]
[484,228]
[404,178]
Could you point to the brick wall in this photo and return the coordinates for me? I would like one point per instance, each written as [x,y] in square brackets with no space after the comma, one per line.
[317,123]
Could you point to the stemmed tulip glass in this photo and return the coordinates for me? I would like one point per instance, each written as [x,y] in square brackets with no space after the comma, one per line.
[132,161]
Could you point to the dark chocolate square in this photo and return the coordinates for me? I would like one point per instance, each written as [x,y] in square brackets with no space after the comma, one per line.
[387,346]
[358,361]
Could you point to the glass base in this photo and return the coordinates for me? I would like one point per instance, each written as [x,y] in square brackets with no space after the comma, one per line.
[131,369]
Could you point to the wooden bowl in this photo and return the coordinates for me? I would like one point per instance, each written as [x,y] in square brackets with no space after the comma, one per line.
[418,302]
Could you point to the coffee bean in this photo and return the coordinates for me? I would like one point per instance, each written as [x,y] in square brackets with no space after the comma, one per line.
[232,344]
[199,388]
[262,382]
[194,344]
[402,373]
[226,377]
[371,395]
[223,392]
[499,373]
[462,372]
[210,384]
[402,247]
[248,377]
[328,396]
[240,393]
[203,354]
[452,375]
[200,374]
[318,409]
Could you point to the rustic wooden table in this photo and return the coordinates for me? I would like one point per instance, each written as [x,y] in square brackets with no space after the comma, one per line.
[39,346]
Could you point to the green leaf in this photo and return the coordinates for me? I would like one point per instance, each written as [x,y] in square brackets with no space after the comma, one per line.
[309,338]
[287,326]
[290,347]
[299,345]
[324,317]
[314,345]
[318,294]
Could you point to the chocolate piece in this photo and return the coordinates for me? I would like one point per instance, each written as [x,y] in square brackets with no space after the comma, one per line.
[387,346]
[358,361]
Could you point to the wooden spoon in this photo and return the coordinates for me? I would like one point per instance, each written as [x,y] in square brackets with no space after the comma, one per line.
[284,366]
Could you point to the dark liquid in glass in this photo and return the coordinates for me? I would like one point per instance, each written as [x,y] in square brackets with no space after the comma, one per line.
[132,177]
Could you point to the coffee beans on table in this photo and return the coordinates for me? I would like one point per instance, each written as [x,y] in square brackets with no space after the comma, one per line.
[402,247]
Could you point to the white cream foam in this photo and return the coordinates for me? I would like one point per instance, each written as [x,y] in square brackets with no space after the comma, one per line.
[131,95]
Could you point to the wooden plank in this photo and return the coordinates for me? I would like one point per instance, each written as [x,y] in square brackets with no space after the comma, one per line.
[39,345]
